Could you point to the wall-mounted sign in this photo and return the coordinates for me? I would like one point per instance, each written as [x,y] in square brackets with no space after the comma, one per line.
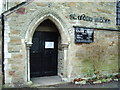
[84,35]
[49,44]
[89,18]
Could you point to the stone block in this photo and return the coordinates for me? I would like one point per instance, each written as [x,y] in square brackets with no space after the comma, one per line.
[11,73]
[15,41]
[104,11]
[17,32]
[41,4]
[72,4]
[17,56]
[18,76]
[15,60]
[21,11]
[14,49]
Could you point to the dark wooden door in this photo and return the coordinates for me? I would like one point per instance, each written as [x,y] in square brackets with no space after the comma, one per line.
[43,54]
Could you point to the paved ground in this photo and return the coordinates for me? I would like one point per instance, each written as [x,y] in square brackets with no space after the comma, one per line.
[55,83]
[113,85]
[43,81]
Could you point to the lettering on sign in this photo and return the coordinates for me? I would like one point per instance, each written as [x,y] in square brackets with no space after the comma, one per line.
[89,19]
[84,35]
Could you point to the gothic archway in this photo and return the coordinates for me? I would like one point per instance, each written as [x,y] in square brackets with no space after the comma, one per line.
[65,39]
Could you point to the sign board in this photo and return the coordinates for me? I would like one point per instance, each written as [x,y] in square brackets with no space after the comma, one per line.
[83,35]
[49,44]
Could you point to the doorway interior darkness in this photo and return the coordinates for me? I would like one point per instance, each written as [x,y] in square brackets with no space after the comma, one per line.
[44,50]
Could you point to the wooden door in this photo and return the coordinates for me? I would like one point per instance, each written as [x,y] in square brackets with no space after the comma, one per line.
[43,54]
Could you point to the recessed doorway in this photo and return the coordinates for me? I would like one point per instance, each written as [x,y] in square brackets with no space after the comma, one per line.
[48,24]
[44,50]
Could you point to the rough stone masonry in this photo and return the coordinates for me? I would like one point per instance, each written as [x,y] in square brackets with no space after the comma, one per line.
[83,60]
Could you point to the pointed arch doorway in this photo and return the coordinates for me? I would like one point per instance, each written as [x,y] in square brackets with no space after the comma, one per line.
[63,43]
[44,50]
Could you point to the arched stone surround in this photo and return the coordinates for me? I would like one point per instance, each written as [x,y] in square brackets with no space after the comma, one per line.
[65,40]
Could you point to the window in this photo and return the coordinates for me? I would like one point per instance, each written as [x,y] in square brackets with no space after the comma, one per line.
[118,13]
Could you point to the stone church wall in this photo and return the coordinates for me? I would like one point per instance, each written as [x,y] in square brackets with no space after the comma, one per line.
[84,60]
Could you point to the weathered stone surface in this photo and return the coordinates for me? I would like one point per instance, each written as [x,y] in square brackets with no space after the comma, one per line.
[41,4]
[74,60]
[17,56]
[97,56]
[15,60]
[15,32]
[14,49]
[72,4]
[15,41]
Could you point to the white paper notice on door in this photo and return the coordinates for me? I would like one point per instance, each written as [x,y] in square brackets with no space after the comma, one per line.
[49,44]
